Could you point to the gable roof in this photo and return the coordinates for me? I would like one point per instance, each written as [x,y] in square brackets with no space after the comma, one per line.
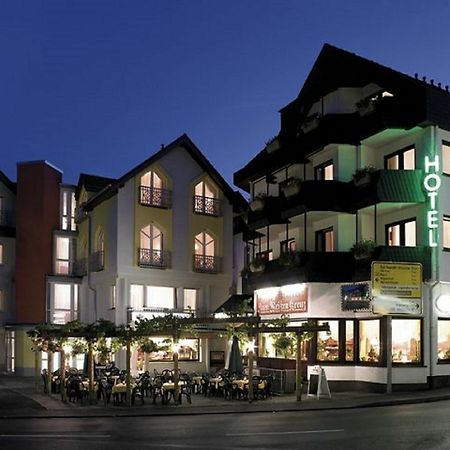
[92,183]
[184,142]
[7,182]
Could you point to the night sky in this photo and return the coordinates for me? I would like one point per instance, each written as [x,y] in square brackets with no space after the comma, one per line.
[97,86]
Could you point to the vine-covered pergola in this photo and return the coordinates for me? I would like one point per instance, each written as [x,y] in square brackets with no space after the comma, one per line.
[53,338]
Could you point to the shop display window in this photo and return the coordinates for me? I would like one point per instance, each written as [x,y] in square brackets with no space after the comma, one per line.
[406,343]
[369,341]
[188,350]
[443,340]
[328,342]
[349,340]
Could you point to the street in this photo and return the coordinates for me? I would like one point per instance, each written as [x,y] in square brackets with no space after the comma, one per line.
[419,426]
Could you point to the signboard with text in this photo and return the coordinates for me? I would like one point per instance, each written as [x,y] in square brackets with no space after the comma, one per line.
[283,300]
[397,288]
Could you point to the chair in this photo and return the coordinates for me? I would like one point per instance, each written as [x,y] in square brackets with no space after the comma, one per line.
[44,380]
[185,387]
[105,390]
[157,389]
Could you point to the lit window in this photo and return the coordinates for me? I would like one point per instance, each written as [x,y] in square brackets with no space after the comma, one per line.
[443,340]
[287,246]
[188,349]
[401,160]
[64,303]
[446,158]
[190,299]
[204,253]
[324,171]
[328,342]
[325,240]
[152,192]
[369,341]
[406,341]
[151,249]
[446,232]
[160,297]
[349,340]
[136,296]
[401,233]
[63,257]
[205,200]
[68,210]
[1,254]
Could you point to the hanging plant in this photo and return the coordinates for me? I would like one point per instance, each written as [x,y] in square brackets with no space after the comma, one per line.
[146,345]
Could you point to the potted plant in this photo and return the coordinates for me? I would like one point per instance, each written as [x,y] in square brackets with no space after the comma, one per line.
[310,123]
[363,249]
[257,204]
[363,176]
[290,258]
[365,106]
[258,264]
[291,187]
[272,145]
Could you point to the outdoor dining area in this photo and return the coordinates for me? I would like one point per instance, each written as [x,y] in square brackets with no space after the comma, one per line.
[109,385]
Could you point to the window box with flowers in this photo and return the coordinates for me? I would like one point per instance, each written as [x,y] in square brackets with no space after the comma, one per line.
[310,123]
[363,176]
[258,202]
[291,187]
[363,249]
[289,258]
[258,264]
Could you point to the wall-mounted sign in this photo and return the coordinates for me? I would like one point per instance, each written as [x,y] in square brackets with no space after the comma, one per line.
[355,297]
[431,184]
[396,288]
[287,299]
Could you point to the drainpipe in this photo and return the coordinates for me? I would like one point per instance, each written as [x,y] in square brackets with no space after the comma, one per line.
[90,287]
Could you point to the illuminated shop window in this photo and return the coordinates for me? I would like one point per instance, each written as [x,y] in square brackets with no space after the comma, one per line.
[401,160]
[328,342]
[369,341]
[406,341]
[188,349]
[443,340]
[349,340]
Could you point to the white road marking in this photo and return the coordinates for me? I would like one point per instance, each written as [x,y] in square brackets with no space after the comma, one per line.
[275,433]
[59,436]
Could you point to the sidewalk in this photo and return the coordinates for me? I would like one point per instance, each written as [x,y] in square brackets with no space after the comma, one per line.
[19,399]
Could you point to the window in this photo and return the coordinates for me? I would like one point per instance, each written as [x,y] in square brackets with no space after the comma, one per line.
[152,192]
[402,160]
[190,299]
[97,259]
[325,240]
[328,342]
[446,158]
[151,297]
[349,340]
[324,171]
[204,253]
[63,303]
[446,233]
[68,210]
[401,233]
[10,351]
[369,341]
[1,255]
[266,255]
[64,255]
[151,249]
[160,297]
[287,246]
[188,349]
[406,339]
[2,300]
[443,340]
[205,200]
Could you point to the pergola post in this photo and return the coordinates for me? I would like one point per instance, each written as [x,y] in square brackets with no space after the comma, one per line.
[250,355]
[128,376]
[298,368]
[91,371]
[176,387]
[37,371]
[62,372]
[49,371]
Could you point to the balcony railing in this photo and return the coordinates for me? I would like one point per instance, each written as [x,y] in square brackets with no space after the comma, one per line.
[79,213]
[150,196]
[206,264]
[208,206]
[154,258]
[80,267]
[97,261]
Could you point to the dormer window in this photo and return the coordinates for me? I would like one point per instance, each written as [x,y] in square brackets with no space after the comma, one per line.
[205,200]
[152,192]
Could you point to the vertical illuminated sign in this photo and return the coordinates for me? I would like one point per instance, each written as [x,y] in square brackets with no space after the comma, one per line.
[432,183]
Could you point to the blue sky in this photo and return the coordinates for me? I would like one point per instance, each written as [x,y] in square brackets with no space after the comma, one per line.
[97,86]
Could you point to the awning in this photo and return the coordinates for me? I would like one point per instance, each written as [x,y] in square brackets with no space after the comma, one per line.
[237,303]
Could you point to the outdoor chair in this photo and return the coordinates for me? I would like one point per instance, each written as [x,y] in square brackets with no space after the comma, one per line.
[185,388]
[44,380]
[157,390]
[105,390]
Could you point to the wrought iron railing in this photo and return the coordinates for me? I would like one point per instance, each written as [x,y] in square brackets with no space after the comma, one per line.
[80,267]
[209,206]
[154,258]
[206,264]
[97,261]
[150,196]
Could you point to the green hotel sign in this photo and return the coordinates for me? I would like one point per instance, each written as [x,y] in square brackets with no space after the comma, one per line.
[431,184]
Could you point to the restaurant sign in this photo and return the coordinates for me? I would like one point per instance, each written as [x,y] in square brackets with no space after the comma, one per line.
[289,299]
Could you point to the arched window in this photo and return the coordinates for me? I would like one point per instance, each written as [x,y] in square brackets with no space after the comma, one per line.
[151,252]
[152,192]
[205,200]
[204,253]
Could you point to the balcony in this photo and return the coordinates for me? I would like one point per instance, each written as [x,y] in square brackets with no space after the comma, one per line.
[268,213]
[156,259]
[208,206]
[159,198]
[80,267]
[97,261]
[80,215]
[206,264]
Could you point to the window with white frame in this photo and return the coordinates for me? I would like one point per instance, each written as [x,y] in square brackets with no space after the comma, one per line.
[324,171]
[63,302]
[152,192]
[136,296]
[446,158]
[401,160]
[68,206]
[152,297]
[190,299]
[64,247]
[205,200]
[402,233]
[406,340]
[446,232]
